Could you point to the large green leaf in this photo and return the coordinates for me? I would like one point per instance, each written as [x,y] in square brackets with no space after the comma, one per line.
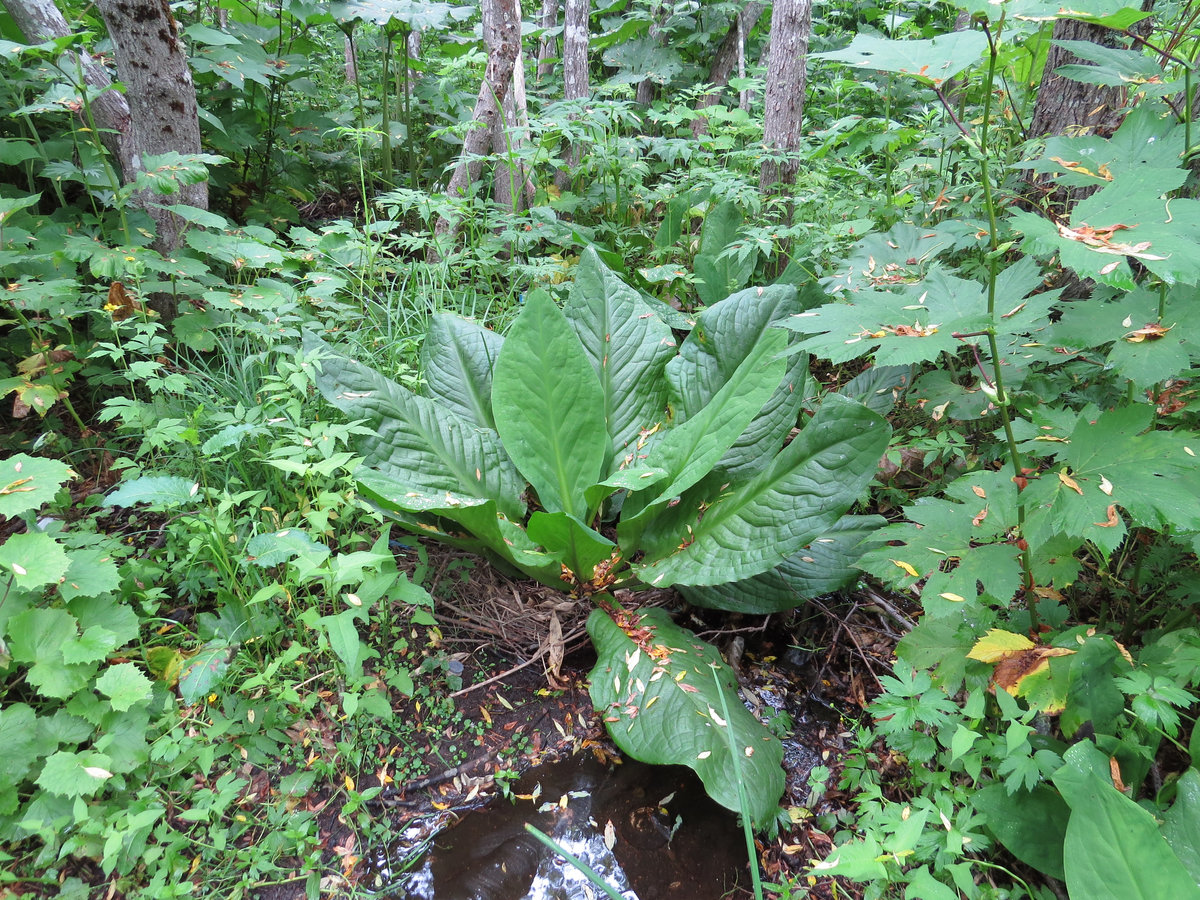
[797,498]
[1110,459]
[628,345]
[724,335]
[931,61]
[916,322]
[550,407]
[1113,848]
[27,482]
[721,266]
[822,567]
[1031,824]
[653,685]
[690,451]
[458,357]
[416,441]
[568,539]
[1181,825]
[489,531]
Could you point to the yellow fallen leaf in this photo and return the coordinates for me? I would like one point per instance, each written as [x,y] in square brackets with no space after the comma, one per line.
[1070,482]
[997,644]
[953,598]
[907,568]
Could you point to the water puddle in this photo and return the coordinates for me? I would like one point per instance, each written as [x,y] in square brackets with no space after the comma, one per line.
[651,832]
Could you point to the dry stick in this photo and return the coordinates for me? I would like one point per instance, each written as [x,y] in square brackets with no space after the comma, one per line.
[574,635]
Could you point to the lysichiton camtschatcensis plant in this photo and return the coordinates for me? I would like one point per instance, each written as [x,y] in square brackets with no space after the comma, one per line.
[591,450]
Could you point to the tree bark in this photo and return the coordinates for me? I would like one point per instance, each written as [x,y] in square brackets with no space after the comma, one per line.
[502,35]
[548,44]
[152,64]
[576,15]
[514,188]
[731,50]
[647,90]
[787,73]
[1064,106]
[40,20]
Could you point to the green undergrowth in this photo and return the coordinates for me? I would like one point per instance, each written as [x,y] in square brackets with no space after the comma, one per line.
[204,626]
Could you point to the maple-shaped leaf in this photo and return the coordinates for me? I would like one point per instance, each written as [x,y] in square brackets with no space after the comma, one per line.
[1114,461]
[1014,657]
[902,255]
[959,545]
[912,323]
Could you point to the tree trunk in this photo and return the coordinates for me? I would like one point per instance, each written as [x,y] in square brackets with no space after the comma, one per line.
[576,14]
[514,188]
[502,35]
[647,90]
[153,66]
[731,50]
[791,25]
[40,20]
[1064,106]
[547,45]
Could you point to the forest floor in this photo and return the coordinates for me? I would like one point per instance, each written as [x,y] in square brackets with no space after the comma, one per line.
[521,653]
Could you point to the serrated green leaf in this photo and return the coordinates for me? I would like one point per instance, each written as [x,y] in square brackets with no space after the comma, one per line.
[91,573]
[457,358]
[549,407]
[34,559]
[628,345]
[1114,461]
[91,646]
[929,61]
[23,747]
[70,774]
[29,482]
[796,499]
[162,491]
[955,543]
[278,547]
[660,703]
[124,685]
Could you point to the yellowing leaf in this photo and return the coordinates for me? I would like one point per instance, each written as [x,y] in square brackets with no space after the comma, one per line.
[1070,482]
[953,598]
[997,644]
[907,568]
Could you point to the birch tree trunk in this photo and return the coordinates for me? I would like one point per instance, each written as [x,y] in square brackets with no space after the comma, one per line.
[791,26]
[576,14]
[40,20]
[548,44]
[731,50]
[502,35]
[153,66]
